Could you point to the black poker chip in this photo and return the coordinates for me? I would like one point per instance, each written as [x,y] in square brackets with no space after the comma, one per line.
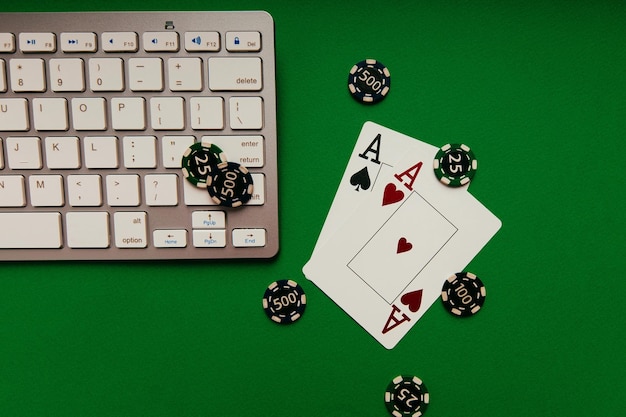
[199,161]
[284,301]
[406,396]
[455,164]
[463,294]
[369,81]
[230,185]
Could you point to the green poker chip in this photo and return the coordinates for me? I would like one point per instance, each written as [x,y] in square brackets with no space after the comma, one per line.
[200,161]
[455,164]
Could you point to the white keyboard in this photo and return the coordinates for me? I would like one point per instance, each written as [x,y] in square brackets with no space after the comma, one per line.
[96,111]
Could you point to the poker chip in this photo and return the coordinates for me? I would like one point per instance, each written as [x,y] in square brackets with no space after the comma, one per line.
[455,164]
[284,301]
[463,294]
[369,81]
[200,160]
[406,396]
[230,184]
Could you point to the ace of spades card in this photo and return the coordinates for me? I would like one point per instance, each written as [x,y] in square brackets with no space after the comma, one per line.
[377,149]
[385,265]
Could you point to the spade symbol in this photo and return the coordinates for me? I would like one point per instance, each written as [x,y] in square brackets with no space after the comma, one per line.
[361,179]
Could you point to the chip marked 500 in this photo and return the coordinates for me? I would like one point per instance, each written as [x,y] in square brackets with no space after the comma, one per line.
[369,81]
[284,301]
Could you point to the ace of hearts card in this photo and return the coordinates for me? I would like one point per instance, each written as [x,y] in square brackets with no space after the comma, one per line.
[384,257]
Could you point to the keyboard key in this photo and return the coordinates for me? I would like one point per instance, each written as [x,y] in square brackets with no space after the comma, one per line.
[246,113]
[185,74]
[258,194]
[62,152]
[145,74]
[89,113]
[24,152]
[243,41]
[167,113]
[139,151]
[3,77]
[208,219]
[128,113]
[12,191]
[84,190]
[18,230]
[50,114]
[67,74]
[46,190]
[196,196]
[160,41]
[37,42]
[207,113]
[28,75]
[7,43]
[87,229]
[14,115]
[106,74]
[248,238]
[100,152]
[172,149]
[209,238]
[122,190]
[235,74]
[161,189]
[130,229]
[202,41]
[79,42]
[119,42]
[245,150]
[170,238]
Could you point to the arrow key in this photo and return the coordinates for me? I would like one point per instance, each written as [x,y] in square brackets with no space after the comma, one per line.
[208,219]
[169,238]
[246,238]
[209,238]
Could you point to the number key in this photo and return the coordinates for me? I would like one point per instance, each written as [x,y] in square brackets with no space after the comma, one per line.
[106,74]
[28,75]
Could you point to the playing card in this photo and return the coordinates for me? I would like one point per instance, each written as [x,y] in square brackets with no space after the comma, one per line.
[386,264]
[409,239]
[377,149]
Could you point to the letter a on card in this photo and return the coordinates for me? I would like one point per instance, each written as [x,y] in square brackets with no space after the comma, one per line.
[394,321]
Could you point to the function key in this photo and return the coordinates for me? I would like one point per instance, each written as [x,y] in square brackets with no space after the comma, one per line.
[243,41]
[202,41]
[38,42]
[160,41]
[78,42]
[7,43]
[119,42]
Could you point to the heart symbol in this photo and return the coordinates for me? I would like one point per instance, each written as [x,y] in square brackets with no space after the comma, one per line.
[391,194]
[413,300]
[404,245]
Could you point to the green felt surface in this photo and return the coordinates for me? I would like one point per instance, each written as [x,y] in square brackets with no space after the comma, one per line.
[535,87]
